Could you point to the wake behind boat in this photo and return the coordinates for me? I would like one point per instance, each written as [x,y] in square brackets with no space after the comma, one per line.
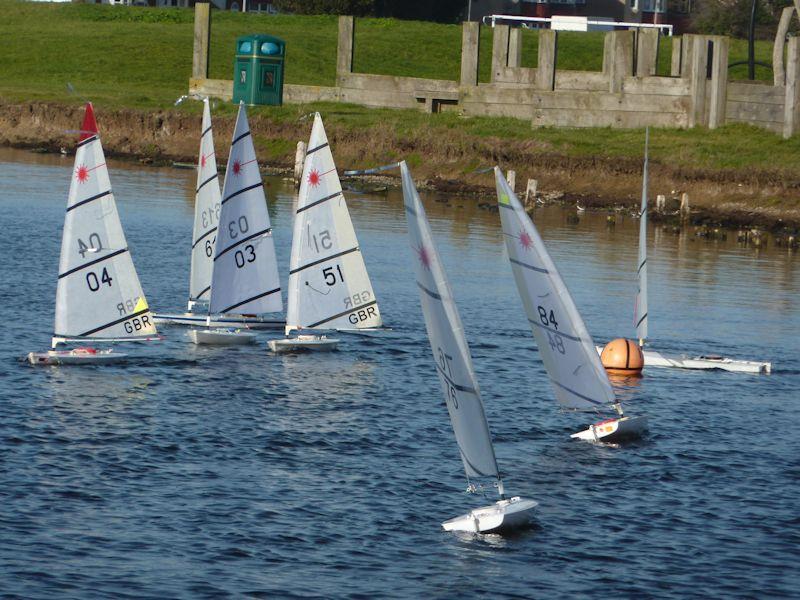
[579,380]
[641,315]
[329,288]
[460,386]
[99,296]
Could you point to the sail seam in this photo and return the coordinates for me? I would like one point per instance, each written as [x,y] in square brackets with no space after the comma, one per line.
[241,137]
[117,322]
[322,260]
[320,201]
[243,240]
[88,140]
[243,190]
[341,314]
[205,131]
[562,386]
[555,331]
[320,147]
[205,235]
[82,202]
[644,262]
[410,210]
[644,316]
[210,179]
[429,292]
[448,379]
[504,205]
[250,300]
[94,262]
[527,266]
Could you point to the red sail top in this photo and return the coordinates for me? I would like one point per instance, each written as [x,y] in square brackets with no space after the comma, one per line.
[89,127]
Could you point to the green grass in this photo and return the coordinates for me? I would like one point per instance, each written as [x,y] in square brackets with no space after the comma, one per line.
[141,58]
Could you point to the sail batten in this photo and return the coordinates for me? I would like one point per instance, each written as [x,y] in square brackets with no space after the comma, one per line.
[98,288]
[328,280]
[567,350]
[640,308]
[448,344]
[244,277]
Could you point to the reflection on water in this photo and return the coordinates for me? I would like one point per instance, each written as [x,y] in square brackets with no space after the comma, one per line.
[207,471]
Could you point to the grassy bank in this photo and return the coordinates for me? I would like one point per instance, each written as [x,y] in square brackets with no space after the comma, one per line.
[141,57]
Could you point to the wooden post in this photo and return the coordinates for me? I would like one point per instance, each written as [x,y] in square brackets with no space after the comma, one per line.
[698,53]
[719,82]
[511,178]
[685,209]
[470,46]
[778,70]
[676,68]
[661,203]
[299,159]
[647,52]
[202,39]
[546,69]
[530,192]
[499,49]
[791,115]
[344,51]
[515,47]
[620,63]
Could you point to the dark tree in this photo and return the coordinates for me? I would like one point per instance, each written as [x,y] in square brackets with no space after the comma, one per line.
[358,8]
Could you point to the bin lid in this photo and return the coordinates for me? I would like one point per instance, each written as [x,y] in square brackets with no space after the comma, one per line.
[260,44]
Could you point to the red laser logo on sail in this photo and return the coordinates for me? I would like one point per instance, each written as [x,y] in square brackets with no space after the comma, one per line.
[314,178]
[82,174]
[525,240]
[424,257]
[237,167]
[202,160]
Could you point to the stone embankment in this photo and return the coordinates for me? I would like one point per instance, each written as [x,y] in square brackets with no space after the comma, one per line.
[454,162]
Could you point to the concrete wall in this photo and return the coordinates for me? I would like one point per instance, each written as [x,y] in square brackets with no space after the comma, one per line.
[626,94]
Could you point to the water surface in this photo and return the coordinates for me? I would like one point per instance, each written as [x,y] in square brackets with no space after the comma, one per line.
[202,472]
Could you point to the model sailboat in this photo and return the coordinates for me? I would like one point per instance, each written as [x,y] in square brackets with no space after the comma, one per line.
[208,202]
[244,279]
[453,362]
[568,353]
[98,297]
[329,288]
[656,359]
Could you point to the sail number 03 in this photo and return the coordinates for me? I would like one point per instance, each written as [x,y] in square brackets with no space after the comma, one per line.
[244,257]
[447,373]
[556,341]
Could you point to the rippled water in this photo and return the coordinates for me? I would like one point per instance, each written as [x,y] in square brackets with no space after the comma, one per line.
[210,472]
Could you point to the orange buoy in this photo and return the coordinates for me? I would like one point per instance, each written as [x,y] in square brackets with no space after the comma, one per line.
[622,357]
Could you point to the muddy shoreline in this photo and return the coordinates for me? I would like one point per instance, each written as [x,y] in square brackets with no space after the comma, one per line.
[731,199]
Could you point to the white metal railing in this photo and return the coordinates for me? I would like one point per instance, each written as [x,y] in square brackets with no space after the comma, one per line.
[664,28]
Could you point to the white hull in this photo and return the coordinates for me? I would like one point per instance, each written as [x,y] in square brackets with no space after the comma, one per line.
[219,321]
[221,337]
[320,343]
[656,359]
[613,430]
[502,515]
[79,356]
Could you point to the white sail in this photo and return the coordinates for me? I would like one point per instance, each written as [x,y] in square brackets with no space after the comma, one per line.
[564,344]
[245,277]
[448,344]
[328,283]
[207,201]
[640,309]
[98,294]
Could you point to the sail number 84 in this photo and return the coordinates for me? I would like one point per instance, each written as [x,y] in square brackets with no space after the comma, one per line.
[549,319]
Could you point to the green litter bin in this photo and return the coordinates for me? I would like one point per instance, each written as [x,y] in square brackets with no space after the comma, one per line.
[258,70]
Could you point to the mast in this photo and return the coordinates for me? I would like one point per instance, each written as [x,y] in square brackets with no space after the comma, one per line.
[98,295]
[640,309]
[329,287]
[448,343]
[206,214]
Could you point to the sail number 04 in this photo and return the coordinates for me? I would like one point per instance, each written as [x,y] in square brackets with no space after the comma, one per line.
[94,282]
